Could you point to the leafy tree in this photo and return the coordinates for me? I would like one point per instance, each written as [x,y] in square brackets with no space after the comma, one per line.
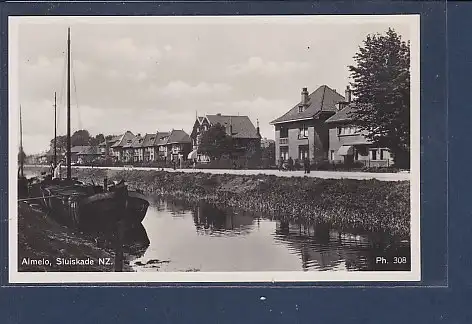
[80,137]
[215,142]
[95,141]
[61,143]
[381,85]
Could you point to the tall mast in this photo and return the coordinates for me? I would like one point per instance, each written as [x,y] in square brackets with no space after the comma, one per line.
[55,131]
[68,106]
[21,146]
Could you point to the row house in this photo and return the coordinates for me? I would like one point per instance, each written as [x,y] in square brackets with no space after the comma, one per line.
[114,147]
[129,148]
[240,128]
[320,127]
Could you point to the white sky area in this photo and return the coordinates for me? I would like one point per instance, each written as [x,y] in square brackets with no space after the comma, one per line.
[156,73]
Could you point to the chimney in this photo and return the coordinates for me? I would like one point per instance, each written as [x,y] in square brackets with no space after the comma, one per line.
[230,126]
[218,114]
[304,100]
[348,94]
[257,128]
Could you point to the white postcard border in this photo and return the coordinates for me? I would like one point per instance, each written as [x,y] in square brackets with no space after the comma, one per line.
[215,277]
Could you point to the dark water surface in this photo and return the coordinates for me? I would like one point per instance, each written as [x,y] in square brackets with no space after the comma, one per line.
[201,237]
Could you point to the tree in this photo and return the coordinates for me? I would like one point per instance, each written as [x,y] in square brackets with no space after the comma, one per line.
[381,85]
[215,142]
[95,141]
[80,137]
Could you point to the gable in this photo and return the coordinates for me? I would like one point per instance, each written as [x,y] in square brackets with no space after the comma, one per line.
[323,99]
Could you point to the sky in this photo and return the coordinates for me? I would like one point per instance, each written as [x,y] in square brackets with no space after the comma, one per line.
[156,74]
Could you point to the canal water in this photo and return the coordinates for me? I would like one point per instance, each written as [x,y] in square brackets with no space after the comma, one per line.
[200,237]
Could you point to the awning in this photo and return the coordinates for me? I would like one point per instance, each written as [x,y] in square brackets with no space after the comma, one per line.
[346,150]
[192,155]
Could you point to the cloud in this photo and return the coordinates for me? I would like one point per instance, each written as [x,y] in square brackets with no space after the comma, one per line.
[259,66]
[126,48]
[181,88]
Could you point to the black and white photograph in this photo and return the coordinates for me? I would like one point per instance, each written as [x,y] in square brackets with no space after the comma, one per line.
[214,148]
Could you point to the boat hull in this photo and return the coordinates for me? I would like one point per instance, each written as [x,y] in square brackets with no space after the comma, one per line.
[91,210]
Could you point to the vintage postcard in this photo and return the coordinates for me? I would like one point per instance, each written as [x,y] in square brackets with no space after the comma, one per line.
[214,149]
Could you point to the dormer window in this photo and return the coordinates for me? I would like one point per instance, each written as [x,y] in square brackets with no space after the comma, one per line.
[300,108]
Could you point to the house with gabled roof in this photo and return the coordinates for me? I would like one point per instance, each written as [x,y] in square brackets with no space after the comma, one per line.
[137,148]
[301,132]
[149,147]
[114,146]
[240,128]
[348,143]
[87,154]
[160,148]
[176,145]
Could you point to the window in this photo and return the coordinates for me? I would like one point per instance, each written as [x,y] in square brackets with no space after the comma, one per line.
[348,130]
[283,132]
[303,152]
[303,131]
[284,153]
[300,109]
[384,154]
[373,155]
[356,154]
[331,155]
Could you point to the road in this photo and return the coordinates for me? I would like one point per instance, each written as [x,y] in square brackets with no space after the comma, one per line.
[400,176]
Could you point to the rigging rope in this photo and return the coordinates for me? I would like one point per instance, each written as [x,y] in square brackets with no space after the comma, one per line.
[79,121]
[60,100]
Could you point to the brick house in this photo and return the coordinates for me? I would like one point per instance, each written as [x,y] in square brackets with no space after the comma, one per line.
[150,146]
[301,132]
[138,151]
[88,154]
[176,145]
[348,144]
[240,128]
[114,146]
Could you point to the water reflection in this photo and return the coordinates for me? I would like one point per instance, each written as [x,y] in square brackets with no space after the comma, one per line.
[323,248]
[201,237]
[211,220]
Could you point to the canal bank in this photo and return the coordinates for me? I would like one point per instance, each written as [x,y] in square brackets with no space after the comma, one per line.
[45,245]
[344,204]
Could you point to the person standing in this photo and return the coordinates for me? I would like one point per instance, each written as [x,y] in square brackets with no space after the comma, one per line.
[58,171]
[290,164]
[306,164]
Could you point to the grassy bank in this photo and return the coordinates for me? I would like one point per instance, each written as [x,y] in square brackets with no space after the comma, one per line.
[367,205]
